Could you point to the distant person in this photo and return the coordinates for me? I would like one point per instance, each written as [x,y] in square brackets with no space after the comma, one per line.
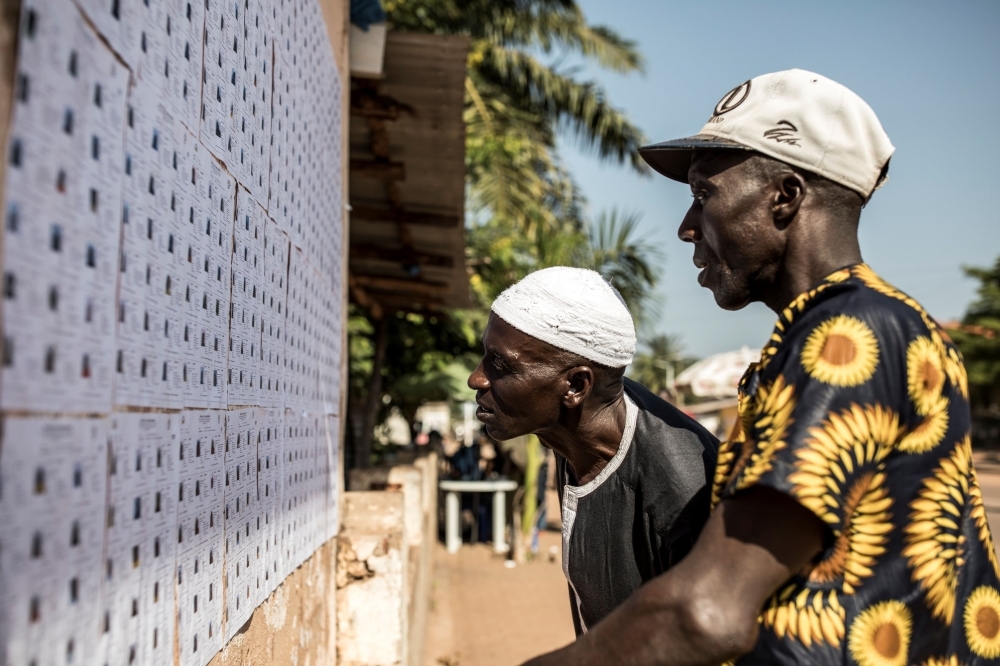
[465,463]
[849,526]
[436,442]
[633,472]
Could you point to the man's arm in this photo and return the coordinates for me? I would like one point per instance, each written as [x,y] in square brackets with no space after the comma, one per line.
[705,609]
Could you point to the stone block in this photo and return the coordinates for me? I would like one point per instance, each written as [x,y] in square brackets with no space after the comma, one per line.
[373,591]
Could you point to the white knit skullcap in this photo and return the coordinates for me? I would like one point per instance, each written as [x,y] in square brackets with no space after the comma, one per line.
[573,309]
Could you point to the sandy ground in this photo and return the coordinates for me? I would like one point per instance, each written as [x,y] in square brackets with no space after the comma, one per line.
[483,614]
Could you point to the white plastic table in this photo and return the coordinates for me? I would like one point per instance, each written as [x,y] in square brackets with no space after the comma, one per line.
[499,488]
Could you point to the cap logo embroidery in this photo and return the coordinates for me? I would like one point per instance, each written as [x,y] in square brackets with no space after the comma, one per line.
[783,133]
[732,99]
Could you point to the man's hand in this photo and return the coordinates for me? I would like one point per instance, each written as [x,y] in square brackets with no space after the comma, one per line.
[705,609]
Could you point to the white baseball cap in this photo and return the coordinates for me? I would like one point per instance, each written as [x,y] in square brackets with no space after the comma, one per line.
[797,117]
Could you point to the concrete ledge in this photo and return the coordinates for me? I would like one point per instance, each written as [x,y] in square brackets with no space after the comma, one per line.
[372,590]
[384,564]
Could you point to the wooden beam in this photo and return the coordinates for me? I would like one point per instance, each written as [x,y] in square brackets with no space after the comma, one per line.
[378,170]
[399,285]
[417,304]
[400,256]
[375,214]
[379,113]
[362,298]
[367,102]
[378,139]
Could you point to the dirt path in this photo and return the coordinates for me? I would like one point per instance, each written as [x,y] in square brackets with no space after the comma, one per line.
[484,614]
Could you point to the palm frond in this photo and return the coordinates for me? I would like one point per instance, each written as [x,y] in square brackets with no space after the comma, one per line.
[580,107]
[476,18]
[650,365]
[511,165]
[549,28]
[626,261]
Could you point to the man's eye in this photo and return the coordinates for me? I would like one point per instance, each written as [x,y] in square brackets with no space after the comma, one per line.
[499,364]
[699,196]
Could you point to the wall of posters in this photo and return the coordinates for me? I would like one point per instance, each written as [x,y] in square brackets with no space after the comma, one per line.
[172,323]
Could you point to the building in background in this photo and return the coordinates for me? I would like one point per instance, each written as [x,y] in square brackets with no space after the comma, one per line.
[708,389]
[407,194]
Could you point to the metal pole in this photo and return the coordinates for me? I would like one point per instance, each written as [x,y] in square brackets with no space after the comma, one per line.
[499,522]
[670,376]
[452,538]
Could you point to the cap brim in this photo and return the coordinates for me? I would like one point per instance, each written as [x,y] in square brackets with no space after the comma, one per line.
[673,158]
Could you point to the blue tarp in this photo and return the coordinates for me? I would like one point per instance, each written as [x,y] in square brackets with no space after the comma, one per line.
[366,12]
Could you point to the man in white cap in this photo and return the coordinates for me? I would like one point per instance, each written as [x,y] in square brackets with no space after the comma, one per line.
[848,525]
[634,472]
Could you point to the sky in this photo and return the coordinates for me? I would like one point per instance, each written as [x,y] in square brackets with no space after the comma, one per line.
[931,72]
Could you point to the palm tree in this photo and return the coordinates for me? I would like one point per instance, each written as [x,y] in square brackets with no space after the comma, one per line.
[609,244]
[653,365]
[516,104]
[526,210]
[978,338]
[627,262]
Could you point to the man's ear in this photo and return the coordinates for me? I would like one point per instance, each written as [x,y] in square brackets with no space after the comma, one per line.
[579,384]
[789,193]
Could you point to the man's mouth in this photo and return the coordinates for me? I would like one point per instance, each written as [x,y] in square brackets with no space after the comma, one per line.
[703,266]
[482,412]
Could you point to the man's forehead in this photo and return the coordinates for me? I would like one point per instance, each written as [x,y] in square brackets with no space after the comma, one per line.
[500,337]
[708,163]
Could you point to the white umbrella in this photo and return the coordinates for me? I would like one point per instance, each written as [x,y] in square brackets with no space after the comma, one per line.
[718,376]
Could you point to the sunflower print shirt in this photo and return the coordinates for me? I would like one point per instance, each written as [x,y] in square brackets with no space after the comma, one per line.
[858,409]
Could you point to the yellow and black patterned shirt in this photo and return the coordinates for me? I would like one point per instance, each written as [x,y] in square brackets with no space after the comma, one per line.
[858,409]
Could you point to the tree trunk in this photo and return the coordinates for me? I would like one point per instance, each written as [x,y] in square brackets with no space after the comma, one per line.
[363,445]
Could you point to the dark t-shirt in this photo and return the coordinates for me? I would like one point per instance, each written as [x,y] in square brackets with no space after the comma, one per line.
[642,513]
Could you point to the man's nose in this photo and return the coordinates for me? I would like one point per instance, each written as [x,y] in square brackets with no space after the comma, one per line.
[477,380]
[690,230]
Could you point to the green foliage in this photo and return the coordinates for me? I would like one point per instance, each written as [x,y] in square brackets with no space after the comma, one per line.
[979,338]
[649,367]
[581,106]
[628,262]
[361,352]
[499,256]
[515,103]
[529,505]
[422,352]
[526,211]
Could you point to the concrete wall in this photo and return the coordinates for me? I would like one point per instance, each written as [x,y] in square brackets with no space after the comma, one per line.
[422,568]
[296,625]
[372,618]
[384,564]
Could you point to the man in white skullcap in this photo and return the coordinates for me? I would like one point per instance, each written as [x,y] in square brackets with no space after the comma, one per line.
[634,472]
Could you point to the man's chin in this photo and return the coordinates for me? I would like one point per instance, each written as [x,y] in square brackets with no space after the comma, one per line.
[498,434]
[495,434]
[730,299]
[731,305]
